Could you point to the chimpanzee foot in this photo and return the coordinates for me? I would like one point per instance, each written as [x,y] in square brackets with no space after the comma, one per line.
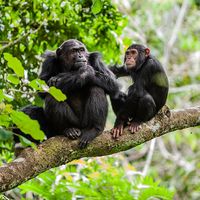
[86,137]
[84,141]
[117,131]
[134,127]
[72,133]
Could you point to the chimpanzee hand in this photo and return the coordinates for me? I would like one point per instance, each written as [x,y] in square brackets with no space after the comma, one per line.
[117,131]
[119,96]
[86,137]
[86,71]
[53,81]
[134,126]
[72,133]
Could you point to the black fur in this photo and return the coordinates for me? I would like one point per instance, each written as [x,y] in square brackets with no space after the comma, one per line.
[146,95]
[84,112]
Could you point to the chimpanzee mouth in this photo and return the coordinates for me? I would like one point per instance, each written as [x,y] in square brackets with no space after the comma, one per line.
[82,61]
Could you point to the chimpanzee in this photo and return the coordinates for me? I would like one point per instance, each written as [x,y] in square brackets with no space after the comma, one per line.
[146,96]
[85,80]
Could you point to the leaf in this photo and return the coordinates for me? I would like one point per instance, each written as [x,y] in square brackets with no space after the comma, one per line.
[57,94]
[8,97]
[25,142]
[5,135]
[27,125]
[1,95]
[14,64]
[13,79]
[157,193]
[4,120]
[37,84]
[96,6]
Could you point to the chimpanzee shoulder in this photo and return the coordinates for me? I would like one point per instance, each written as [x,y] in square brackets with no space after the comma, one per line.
[50,66]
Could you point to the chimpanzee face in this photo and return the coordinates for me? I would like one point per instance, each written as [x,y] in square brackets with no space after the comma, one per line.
[73,55]
[131,56]
[135,55]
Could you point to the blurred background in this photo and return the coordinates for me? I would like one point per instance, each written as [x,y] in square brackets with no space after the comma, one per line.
[164,168]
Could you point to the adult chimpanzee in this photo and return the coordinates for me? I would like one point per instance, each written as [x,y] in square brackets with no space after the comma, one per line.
[85,80]
[146,95]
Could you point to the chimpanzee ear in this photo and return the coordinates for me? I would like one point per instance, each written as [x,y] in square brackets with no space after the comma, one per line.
[147,52]
[59,51]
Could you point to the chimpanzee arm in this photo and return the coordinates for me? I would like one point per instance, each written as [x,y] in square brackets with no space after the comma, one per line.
[118,102]
[73,80]
[107,82]
[50,68]
[126,109]
[119,71]
[104,77]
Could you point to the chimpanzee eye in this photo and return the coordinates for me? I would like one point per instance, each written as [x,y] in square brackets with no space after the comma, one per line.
[134,52]
[82,49]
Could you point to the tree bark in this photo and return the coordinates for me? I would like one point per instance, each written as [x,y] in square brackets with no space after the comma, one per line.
[60,150]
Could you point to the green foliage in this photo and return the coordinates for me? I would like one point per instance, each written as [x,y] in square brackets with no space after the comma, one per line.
[57,94]
[14,64]
[13,79]
[98,179]
[5,134]
[28,28]
[27,125]
[96,6]
[38,84]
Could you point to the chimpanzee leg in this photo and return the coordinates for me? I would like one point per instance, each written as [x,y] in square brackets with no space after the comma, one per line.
[146,110]
[118,102]
[61,118]
[36,113]
[94,118]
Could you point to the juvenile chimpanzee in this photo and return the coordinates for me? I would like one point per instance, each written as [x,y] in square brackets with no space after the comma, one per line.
[148,93]
[85,80]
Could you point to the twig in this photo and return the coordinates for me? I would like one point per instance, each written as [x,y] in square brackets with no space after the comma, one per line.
[149,157]
[175,31]
[23,36]
[180,161]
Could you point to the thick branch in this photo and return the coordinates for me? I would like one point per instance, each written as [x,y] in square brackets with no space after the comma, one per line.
[59,150]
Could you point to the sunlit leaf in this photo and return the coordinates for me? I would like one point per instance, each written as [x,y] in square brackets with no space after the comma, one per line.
[96,6]
[8,97]
[27,125]
[14,64]
[4,120]
[13,79]
[37,84]
[1,95]
[57,94]
[25,142]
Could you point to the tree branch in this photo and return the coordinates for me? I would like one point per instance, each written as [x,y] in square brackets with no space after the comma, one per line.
[59,150]
[22,37]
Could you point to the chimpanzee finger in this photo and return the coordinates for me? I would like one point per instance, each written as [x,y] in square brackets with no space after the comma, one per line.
[114,133]
[139,127]
[117,133]
[78,132]
[71,136]
[83,144]
[121,131]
